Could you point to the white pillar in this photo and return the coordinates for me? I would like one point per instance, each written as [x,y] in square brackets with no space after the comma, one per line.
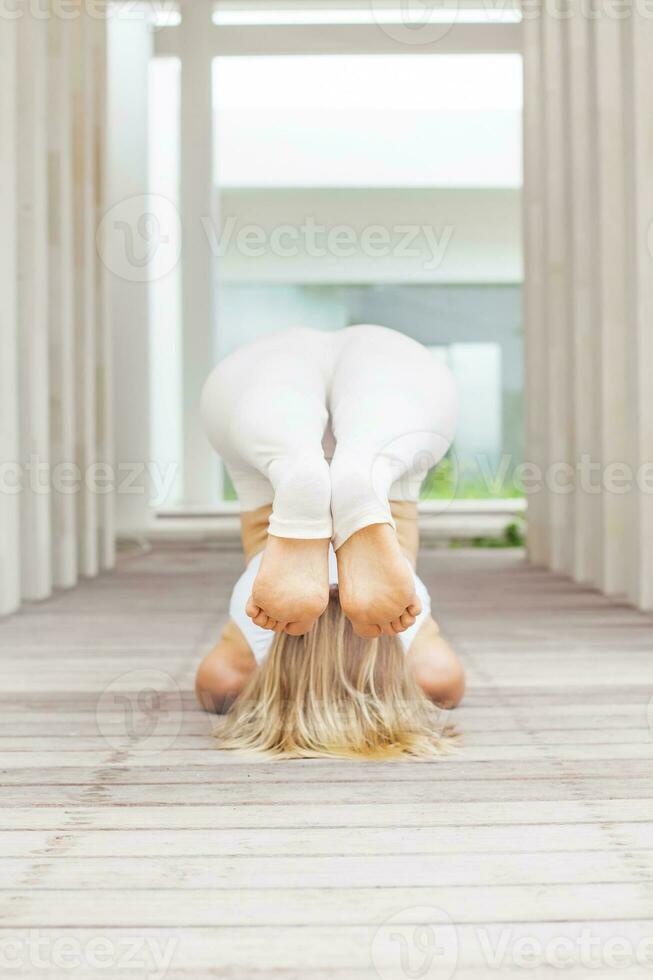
[104,351]
[638,109]
[129,51]
[557,295]
[535,325]
[9,446]
[196,197]
[610,284]
[582,233]
[85,322]
[33,304]
[61,302]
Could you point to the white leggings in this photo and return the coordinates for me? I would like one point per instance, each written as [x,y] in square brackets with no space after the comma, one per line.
[328,427]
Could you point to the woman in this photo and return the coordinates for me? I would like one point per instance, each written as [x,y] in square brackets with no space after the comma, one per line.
[331,648]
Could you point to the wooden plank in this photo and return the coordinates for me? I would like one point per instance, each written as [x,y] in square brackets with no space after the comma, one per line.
[474,947]
[565,721]
[60,816]
[534,791]
[129,767]
[569,689]
[330,973]
[504,742]
[330,871]
[267,842]
[61,291]
[319,906]
[10,576]
[155,763]
[542,823]
[32,272]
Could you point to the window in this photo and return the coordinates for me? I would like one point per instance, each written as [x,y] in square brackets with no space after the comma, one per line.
[387,194]
[362,188]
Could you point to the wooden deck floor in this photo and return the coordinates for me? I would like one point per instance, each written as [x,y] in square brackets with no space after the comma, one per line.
[126,834]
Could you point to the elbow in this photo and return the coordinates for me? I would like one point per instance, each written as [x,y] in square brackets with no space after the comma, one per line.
[445,688]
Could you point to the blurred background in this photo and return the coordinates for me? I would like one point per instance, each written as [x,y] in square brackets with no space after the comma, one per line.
[181,178]
[391,145]
[379,186]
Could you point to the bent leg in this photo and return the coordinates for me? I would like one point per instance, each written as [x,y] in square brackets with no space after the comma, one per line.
[265,412]
[393,409]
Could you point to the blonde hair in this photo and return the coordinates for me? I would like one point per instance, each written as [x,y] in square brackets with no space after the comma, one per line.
[332,693]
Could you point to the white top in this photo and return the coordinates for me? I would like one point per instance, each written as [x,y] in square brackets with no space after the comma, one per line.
[261,640]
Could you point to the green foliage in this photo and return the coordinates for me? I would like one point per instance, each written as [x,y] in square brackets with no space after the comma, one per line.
[449,482]
[512,537]
[228,488]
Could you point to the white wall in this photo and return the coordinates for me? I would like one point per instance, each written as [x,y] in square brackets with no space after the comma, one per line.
[474,236]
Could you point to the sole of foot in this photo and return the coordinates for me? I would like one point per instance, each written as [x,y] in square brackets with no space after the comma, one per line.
[291,590]
[376,583]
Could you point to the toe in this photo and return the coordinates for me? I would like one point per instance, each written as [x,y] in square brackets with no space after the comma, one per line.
[261,619]
[415,607]
[397,626]
[252,609]
[407,620]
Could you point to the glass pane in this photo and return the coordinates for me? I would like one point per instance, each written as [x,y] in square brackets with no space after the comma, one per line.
[382,189]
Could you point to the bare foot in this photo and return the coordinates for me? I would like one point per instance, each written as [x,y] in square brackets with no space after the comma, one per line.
[377,588]
[291,589]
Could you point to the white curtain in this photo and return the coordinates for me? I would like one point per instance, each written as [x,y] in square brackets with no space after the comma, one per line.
[588,208]
[56,478]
